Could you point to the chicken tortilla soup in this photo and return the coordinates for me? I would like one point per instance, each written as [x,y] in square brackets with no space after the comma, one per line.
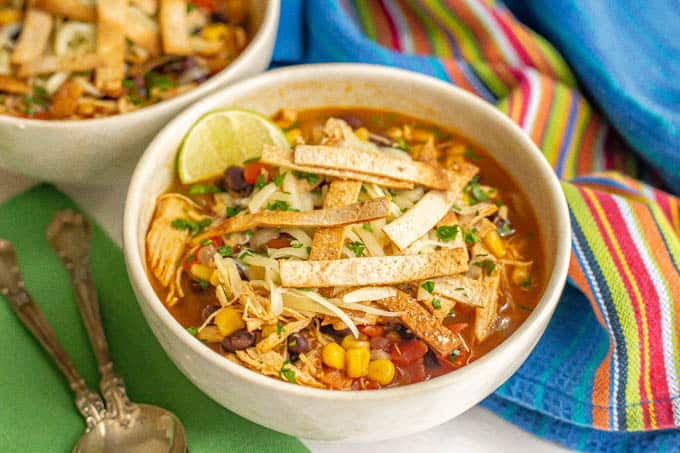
[342,248]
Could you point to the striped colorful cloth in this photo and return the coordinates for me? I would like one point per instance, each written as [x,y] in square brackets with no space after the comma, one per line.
[605,375]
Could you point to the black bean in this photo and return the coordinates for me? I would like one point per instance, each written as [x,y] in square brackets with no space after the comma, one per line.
[198,286]
[233,180]
[237,341]
[218,16]
[353,121]
[298,343]
[242,272]
[430,360]
[328,329]
[404,332]
[208,310]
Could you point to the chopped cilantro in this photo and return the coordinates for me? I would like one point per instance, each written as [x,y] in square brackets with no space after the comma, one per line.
[367,226]
[311,178]
[226,250]
[279,205]
[470,236]
[526,282]
[203,284]
[505,229]
[471,154]
[245,254]
[261,181]
[202,189]
[278,180]
[287,373]
[128,83]
[499,202]
[158,81]
[447,233]
[436,303]
[455,208]
[190,7]
[356,247]
[454,355]
[402,144]
[206,242]
[293,125]
[191,225]
[280,329]
[252,159]
[249,233]
[296,244]
[487,265]
[428,286]
[309,250]
[475,192]
[192,330]
[233,210]
[190,258]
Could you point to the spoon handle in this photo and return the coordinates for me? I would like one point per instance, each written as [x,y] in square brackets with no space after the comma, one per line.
[12,287]
[69,235]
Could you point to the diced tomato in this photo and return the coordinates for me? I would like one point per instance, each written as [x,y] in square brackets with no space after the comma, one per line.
[253,169]
[207,4]
[457,327]
[407,352]
[279,243]
[217,241]
[372,331]
[409,374]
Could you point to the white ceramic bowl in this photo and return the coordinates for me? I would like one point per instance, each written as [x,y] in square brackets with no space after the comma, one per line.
[367,415]
[99,151]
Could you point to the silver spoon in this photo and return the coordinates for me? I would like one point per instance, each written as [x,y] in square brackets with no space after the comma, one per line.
[130,427]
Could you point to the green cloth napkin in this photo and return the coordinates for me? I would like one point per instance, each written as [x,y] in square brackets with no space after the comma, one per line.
[36,407]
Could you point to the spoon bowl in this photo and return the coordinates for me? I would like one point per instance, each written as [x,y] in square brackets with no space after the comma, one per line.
[149,429]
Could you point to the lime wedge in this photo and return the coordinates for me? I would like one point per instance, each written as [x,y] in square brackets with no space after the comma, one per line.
[222,138]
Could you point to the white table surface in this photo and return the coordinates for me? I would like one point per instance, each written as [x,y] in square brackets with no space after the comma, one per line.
[477,430]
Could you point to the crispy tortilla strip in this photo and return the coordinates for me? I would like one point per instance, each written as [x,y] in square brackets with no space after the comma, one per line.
[485,315]
[34,36]
[282,157]
[51,63]
[445,305]
[372,163]
[143,31]
[462,289]
[450,219]
[422,323]
[429,210]
[150,7]
[173,19]
[327,243]
[345,215]
[111,16]
[374,270]
[13,85]
[72,9]
[66,98]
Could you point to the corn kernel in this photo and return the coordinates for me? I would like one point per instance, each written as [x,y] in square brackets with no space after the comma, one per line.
[268,329]
[9,15]
[362,134]
[381,371]
[229,321]
[214,278]
[215,32]
[201,271]
[349,342]
[494,243]
[407,132]
[356,362]
[293,135]
[394,133]
[333,356]
[520,275]
[422,135]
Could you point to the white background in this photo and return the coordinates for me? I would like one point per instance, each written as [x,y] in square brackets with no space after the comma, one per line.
[478,430]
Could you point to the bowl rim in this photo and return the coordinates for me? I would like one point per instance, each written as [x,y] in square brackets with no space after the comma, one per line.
[269,26]
[354,71]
